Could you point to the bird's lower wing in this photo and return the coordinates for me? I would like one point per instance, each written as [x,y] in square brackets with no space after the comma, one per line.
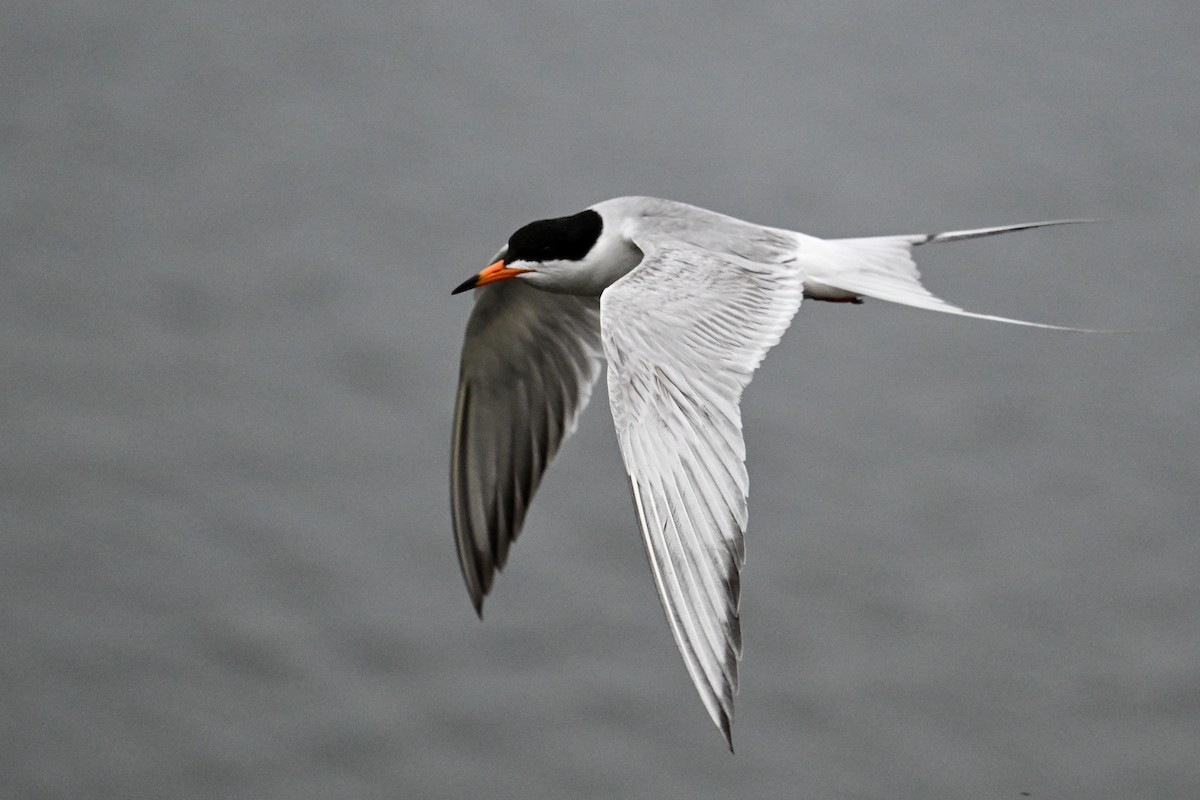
[529,362]
[683,334]
[882,267]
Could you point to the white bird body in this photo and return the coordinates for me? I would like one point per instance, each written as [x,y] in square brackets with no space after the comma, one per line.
[683,303]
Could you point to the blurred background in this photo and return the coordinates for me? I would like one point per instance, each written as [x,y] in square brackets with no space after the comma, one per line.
[228,354]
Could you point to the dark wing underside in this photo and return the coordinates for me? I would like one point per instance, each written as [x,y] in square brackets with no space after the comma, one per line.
[529,362]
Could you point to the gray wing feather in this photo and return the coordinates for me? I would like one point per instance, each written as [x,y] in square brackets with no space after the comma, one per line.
[529,362]
[683,334]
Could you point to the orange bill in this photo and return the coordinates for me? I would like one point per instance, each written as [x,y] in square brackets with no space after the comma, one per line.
[490,274]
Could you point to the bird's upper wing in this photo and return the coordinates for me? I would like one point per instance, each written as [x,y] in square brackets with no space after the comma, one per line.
[683,333]
[529,362]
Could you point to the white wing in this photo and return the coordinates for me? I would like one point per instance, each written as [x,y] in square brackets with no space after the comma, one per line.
[683,333]
[529,362]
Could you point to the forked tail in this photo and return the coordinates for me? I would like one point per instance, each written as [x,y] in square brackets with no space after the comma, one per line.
[882,267]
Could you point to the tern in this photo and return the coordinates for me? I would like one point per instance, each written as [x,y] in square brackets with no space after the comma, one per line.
[682,303]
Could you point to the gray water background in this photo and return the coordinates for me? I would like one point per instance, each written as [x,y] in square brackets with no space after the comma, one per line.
[228,231]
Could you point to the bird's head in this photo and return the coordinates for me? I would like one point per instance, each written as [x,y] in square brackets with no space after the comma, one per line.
[579,254]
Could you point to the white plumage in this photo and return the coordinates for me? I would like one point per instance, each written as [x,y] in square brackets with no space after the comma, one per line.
[683,303]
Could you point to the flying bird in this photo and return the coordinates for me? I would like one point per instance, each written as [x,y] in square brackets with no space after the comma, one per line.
[682,303]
